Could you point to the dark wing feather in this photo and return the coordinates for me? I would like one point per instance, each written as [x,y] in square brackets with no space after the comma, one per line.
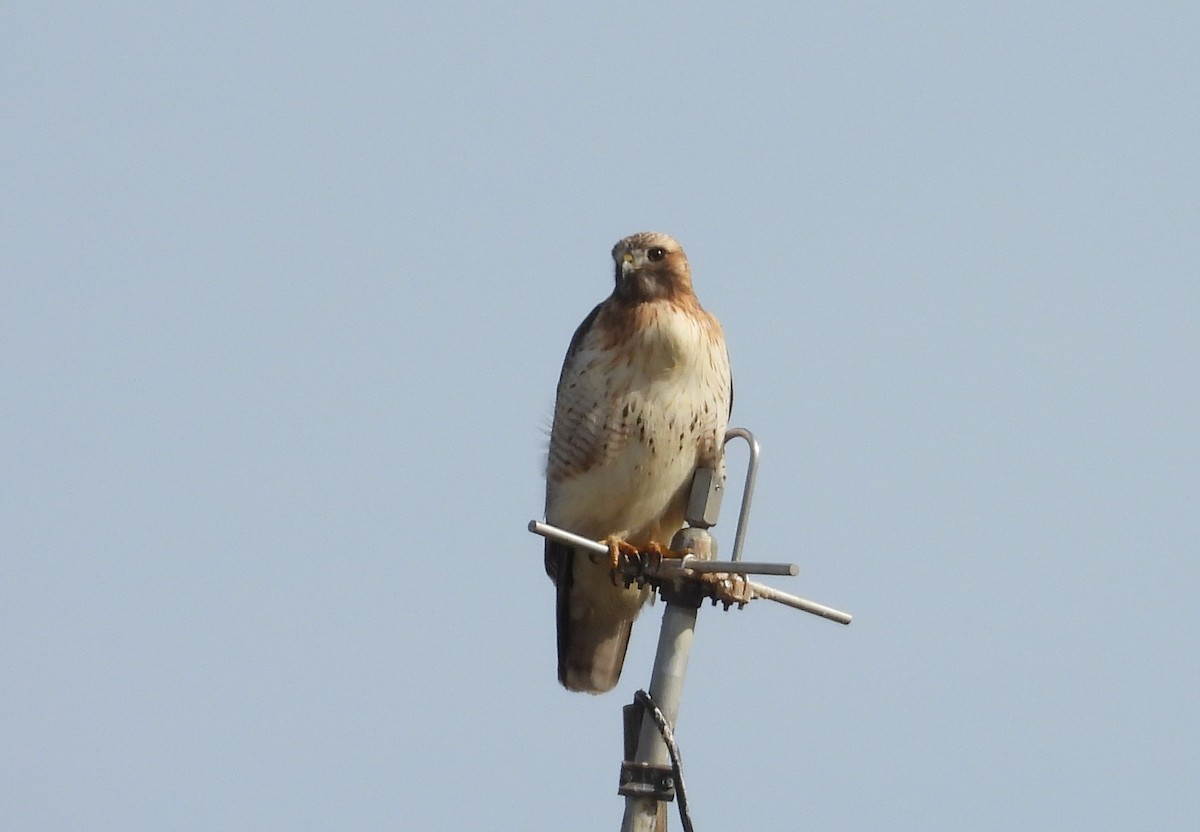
[557,557]
[581,332]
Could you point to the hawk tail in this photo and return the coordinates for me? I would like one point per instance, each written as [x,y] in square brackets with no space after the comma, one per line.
[591,648]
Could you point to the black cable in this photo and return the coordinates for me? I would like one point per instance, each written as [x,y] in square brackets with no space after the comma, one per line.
[643,699]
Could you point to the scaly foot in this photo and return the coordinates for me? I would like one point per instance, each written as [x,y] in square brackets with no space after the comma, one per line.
[657,552]
[619,549]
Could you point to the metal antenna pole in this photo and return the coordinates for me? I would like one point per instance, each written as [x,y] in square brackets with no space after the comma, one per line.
[642,811]
[646,779]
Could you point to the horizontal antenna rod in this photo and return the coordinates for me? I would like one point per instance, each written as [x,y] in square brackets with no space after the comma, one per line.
[564,536]
[772,594]
[690,562]
[740,567]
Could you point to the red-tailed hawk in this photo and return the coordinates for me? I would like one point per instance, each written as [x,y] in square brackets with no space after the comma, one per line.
[643,401]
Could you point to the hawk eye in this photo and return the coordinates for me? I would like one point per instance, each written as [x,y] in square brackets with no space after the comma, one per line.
[655,254]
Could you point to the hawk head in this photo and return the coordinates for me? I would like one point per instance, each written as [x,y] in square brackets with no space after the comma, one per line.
[651,266]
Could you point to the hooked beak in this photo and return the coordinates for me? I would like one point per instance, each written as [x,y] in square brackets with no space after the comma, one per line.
[631,261]
[628,264]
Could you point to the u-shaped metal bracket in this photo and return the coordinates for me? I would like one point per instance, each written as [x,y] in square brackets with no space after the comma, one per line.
[739,537]
[704,502]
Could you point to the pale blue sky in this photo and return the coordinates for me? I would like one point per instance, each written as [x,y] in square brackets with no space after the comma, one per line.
[284,292]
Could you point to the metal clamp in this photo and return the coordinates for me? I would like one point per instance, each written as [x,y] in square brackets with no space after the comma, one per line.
[647,780]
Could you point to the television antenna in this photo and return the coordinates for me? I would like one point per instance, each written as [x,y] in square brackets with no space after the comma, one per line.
[650,771]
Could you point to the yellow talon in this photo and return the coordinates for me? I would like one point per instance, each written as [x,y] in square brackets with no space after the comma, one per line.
[657,551]
[618,547]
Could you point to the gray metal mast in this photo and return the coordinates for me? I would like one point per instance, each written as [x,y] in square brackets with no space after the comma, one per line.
[647,780]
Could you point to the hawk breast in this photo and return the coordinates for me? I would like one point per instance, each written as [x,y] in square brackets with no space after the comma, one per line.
[642,403]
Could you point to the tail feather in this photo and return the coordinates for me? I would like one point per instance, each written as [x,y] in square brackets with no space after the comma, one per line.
[595,620]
